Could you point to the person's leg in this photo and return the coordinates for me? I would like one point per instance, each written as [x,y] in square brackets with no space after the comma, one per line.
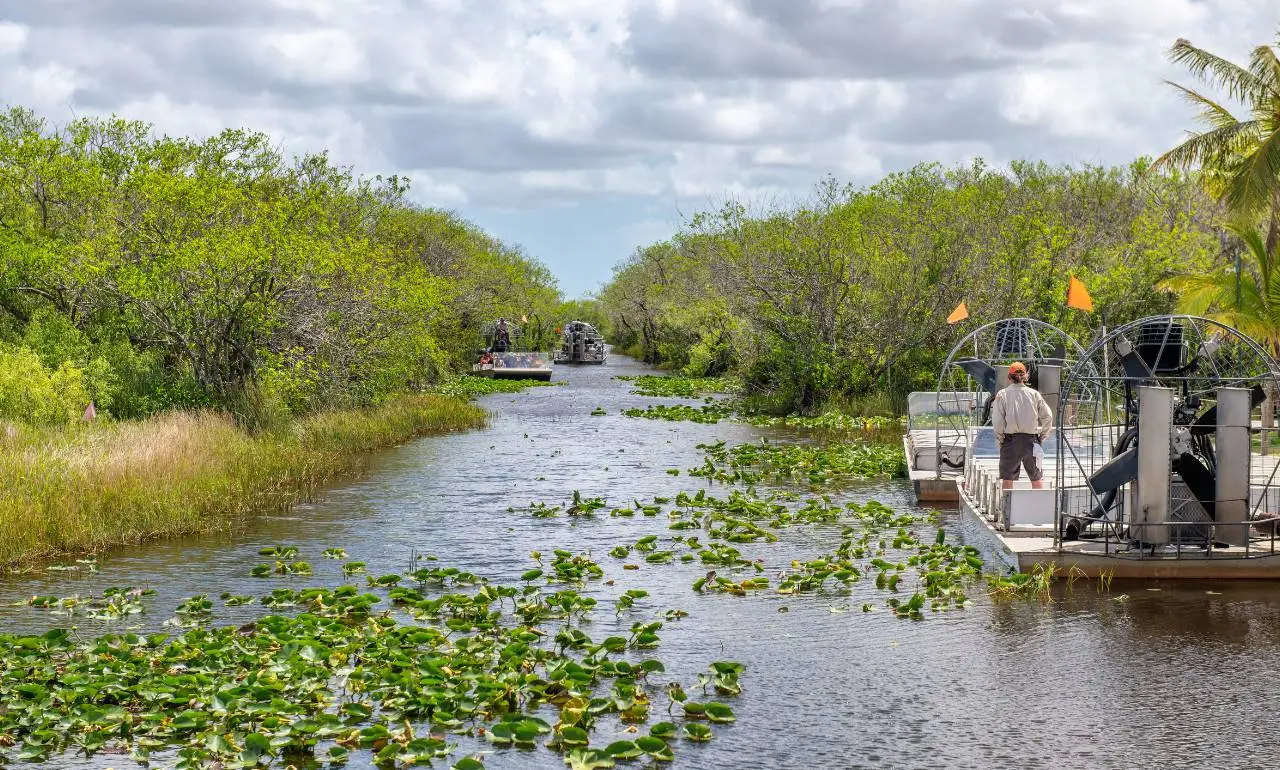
[1034,471]
[1010,460]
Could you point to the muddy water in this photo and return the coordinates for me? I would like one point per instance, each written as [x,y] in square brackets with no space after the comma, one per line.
[1152,675]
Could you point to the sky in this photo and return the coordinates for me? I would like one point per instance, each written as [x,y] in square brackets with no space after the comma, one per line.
[583,129]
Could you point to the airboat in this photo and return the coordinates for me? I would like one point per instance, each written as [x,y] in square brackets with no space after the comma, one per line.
[580,343]
[507,356]
[947,427]
[1160,463]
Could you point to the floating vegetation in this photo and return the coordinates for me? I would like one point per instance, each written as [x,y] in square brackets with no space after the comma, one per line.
[671,386]
[874,429]
[598,411]
[389,674]
[814,464]
[578,506]
[708,413]
[114,603]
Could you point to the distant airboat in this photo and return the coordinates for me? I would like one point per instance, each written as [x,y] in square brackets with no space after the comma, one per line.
[507,356]
[580,343]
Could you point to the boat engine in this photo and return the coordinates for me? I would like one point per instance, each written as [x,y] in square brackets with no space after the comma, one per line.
[1181,463]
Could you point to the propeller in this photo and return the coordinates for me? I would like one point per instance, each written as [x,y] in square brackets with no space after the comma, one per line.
[1134,367]
[1199,480]
[1208,422]
[981,371]
[1118,471]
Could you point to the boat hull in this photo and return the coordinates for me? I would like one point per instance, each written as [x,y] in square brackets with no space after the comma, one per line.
[514,373]
[930,486]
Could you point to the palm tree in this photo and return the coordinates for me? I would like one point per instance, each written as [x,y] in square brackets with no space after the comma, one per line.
[1239,158]
[1247,298]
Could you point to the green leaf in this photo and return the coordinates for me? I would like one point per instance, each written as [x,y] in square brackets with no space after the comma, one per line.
[696,731]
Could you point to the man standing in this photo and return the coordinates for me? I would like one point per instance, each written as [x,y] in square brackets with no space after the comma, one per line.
[1021,419]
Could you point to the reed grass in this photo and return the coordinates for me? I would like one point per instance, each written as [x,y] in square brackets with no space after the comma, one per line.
[88,487]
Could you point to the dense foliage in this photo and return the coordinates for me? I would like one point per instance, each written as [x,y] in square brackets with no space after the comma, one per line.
[146,272]
[843,300]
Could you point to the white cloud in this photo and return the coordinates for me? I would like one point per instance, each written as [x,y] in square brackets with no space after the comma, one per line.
[317,57]
[523,103]
[13,37]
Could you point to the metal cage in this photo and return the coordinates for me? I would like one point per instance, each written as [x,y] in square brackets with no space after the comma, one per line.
[976,368]
[1162,452]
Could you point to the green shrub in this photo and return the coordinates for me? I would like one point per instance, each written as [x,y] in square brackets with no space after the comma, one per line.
[33,392]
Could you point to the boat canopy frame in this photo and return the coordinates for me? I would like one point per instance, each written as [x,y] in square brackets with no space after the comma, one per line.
[962,406]
[1191,358]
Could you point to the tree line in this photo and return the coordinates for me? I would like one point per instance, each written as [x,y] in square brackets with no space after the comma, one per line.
[842,299]
[147,272]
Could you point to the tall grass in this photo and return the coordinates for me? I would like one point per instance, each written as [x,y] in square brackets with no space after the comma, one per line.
[84,488]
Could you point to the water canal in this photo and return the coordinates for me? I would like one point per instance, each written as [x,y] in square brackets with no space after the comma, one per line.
[1153,674]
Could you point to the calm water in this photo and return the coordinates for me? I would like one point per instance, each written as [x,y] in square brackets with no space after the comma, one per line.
[1152,675]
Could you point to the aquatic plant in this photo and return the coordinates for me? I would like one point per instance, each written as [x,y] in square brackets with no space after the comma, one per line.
[112,604]
[1036,584]
[707,414]
[813,464]
[672,386]
[338,676]
[834,421]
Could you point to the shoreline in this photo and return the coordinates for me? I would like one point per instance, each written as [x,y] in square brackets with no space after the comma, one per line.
[82,489]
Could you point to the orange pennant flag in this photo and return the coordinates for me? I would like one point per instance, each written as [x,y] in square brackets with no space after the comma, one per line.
[959,314]
[1078,296]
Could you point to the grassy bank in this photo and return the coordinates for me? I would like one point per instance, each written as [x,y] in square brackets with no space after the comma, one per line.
[84,488]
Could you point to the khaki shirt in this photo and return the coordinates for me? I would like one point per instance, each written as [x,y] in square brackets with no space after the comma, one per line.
[1020,408]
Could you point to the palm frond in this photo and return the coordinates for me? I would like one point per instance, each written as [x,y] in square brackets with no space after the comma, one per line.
[1265,66]
[1210,111]
[1198,294]
[1211,148]
[1254,186]
[1238,82]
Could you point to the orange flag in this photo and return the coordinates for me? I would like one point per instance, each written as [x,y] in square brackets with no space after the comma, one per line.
[1077,296]
[959,314]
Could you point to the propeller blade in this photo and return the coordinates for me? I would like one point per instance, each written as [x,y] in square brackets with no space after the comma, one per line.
[1134,367]
[1207,423]
[1118,471]
[1199,481]
[981,371]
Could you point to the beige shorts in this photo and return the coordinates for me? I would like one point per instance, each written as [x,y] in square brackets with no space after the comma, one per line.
[1017,450]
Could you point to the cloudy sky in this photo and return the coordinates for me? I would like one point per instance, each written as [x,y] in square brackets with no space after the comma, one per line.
[584,128]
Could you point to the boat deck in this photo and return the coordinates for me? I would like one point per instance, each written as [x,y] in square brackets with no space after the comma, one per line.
[1015,529]
[921,447]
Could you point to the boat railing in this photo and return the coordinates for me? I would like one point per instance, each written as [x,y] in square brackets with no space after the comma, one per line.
[521,360]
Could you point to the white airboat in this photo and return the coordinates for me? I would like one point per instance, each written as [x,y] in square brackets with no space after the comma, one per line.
[1159,464]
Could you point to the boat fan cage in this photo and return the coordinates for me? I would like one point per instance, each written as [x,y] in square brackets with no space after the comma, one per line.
[1162,448]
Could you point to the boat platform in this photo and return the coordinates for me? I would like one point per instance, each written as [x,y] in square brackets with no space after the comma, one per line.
[512,372]
[931,486]
[1014,531]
